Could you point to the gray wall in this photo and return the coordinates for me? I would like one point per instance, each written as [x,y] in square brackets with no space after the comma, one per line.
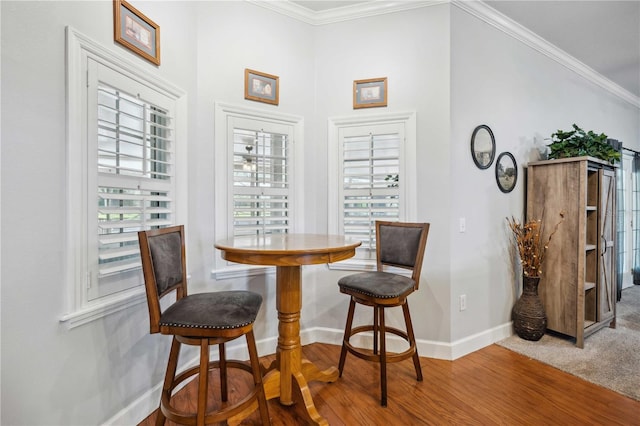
[453,69]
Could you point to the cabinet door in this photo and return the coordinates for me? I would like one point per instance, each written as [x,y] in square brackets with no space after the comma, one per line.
[607,265]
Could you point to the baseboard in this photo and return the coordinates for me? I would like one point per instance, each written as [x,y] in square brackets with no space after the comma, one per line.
[426,348]
[472,343]
[140,409]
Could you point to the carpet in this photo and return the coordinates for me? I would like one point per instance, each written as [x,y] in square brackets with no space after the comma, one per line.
[610,358]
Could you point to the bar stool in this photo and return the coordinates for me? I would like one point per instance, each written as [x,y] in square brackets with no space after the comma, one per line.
[400,245]
[201,320]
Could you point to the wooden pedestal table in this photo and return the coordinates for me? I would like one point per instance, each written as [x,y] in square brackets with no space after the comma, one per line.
[288,252]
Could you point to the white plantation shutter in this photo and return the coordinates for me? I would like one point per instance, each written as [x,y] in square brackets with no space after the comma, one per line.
[370,180]
[261,178]
[131,141]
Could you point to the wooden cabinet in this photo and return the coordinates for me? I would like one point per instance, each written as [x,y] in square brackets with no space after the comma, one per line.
[578,281]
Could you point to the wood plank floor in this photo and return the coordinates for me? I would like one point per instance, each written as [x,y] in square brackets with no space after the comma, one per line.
[492,386]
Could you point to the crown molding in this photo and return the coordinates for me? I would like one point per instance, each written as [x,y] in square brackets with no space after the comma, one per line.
[505,24]
[345,13]
[477,8]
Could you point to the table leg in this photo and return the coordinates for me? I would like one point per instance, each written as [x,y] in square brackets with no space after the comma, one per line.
[290,369]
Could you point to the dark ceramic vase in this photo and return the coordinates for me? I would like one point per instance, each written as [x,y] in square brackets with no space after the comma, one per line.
[529,318]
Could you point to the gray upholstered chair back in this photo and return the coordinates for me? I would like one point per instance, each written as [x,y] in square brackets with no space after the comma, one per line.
[166,255]
[162,252]
[402,245]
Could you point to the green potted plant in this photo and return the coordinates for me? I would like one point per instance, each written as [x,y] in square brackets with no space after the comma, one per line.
[578,143]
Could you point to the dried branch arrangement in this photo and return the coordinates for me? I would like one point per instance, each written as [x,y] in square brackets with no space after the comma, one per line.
[531,244]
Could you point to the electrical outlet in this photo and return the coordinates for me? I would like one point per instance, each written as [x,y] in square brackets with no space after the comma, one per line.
[463,302]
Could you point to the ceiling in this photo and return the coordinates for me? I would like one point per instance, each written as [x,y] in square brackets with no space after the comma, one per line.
[604,34]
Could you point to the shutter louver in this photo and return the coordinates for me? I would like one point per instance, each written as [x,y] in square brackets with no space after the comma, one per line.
[260,182]
[135,177]
[371,169]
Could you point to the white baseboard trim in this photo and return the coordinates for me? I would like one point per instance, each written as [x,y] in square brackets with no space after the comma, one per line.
[426,348]
[139,409]
[472,343]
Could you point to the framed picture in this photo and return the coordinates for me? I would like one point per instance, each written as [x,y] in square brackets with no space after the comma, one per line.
[370,93]
[506,172]
[135,31]
[261,87]
[483,146]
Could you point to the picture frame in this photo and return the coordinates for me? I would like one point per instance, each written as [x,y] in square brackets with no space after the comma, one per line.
[135,31]
[261,87]
[483,146]
[370,93]
[506,172]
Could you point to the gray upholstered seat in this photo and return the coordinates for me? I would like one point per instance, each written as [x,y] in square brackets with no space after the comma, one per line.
[400,245]
[219,310]
[201,319]
[384,285]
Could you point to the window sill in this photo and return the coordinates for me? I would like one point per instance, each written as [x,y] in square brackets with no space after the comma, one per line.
[357,265]
[365,266]
[353,265]
[241,272]
[102,308]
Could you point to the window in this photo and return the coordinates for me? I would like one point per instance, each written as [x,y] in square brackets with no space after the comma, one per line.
[372,172]
[124,149]
[261,189]
[370,187]
[258,191]
[134,142]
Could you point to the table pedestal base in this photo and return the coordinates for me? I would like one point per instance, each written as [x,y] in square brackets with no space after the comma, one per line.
[290,369]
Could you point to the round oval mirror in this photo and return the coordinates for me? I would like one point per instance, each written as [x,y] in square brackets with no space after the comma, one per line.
[506,172]
[483,146]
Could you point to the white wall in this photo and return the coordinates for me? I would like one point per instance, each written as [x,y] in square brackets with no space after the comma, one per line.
[524,97]
[411,49]
[233,36]
[51,375]
[455,71]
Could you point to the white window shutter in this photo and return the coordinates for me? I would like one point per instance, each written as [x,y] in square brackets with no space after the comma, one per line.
[370,180]
[261,167]
[131,143]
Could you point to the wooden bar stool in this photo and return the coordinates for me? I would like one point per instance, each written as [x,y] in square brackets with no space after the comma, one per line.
[200,320]
[399,245]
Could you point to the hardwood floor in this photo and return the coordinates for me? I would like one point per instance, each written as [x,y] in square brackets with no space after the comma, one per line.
[492,386]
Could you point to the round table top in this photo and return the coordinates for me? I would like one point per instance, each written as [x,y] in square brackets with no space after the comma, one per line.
[287,249]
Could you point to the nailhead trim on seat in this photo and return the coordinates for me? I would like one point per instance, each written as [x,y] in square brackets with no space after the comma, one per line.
[173,324]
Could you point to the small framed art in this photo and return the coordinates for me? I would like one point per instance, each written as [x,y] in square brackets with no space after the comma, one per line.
[135,31]
[506,172]
[261,87]
[370,93]
[483,146]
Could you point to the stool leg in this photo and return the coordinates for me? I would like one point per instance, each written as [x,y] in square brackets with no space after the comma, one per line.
[383,359]
[347,335]
[203,381]
[172,365]
[223,371]
[376,329]
[412,340]
[257,378]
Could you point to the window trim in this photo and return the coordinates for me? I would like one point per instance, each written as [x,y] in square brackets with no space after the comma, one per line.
[408,174]
[223,112]
[79,310]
